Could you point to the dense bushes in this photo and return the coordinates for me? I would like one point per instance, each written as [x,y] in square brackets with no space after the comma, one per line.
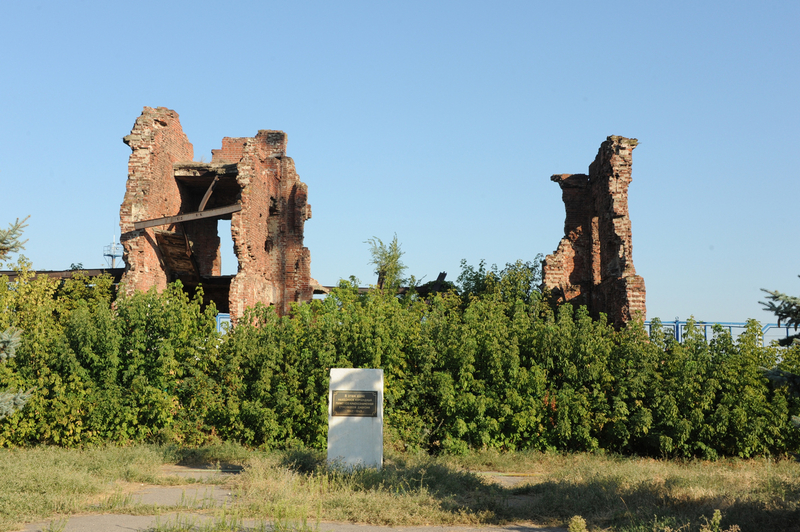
[494,367]
[135,372]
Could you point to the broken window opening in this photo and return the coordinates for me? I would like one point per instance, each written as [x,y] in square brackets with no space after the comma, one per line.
[229,263]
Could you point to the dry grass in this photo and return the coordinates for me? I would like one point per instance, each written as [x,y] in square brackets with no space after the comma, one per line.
[646,494]
[45,481]
[608,492]
[405,492]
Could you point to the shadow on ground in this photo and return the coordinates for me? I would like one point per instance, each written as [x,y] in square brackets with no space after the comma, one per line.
[502,498]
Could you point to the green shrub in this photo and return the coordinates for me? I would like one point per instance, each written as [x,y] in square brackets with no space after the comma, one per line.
[494,367]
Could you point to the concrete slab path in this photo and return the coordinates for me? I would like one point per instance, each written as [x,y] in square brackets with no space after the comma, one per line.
[127,523]
[208,492]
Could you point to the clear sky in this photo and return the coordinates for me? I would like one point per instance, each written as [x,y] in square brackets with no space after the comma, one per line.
[441,122]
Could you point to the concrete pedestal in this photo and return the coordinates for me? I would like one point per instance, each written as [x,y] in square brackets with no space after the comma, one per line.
[355,417]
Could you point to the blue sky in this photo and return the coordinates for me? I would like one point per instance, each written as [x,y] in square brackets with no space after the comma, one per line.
[441,122]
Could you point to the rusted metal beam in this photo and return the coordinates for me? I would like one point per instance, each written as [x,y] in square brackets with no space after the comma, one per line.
[211,188]
[211,213]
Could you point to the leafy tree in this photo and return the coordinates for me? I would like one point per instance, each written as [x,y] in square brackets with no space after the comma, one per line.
[10,242]
[473,281]
[516,281]
[387,261]
[781,378]
[435,286]
[787,309]
[10,402]
[10,238]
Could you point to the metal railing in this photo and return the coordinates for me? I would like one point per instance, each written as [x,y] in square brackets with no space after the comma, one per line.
[679,327]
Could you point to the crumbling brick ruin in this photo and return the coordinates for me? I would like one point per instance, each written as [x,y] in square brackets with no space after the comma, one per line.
[172,204]
[593,264]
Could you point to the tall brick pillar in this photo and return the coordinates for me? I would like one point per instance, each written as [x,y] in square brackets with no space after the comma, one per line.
[157,142]
[593,264]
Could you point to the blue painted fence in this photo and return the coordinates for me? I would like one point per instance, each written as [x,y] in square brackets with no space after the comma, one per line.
[769,332]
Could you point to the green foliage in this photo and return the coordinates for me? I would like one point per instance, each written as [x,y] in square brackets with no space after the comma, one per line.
[577,524]
[10,238]
[138,370]
[787,375]
[10,401]
[495,367]
[387,261]
[787,309]
[518,280]
[9,341]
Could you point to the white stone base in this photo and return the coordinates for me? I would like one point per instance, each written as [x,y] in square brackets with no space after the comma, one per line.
[356,441]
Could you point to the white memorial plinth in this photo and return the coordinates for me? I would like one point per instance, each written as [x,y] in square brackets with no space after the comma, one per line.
[355,417]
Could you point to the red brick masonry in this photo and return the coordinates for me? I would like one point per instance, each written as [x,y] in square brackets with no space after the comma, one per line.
[593,264]
[274,267]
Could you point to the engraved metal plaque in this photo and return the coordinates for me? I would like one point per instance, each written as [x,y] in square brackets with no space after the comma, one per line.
[355,403]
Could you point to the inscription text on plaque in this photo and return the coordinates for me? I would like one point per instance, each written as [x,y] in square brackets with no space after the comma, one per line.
[355,403]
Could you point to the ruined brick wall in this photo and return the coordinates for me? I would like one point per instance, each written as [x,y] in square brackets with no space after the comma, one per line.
[593,264]
[274,266]
[231,151]
[268,232]
[157,142]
